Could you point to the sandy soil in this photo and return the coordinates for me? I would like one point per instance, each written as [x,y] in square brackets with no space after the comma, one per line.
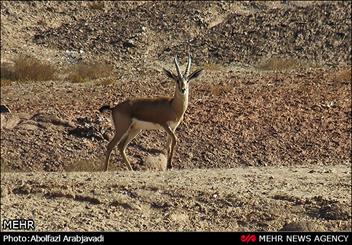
[239,199]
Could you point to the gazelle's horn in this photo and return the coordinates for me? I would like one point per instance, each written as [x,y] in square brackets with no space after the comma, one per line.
[188,65]
[177,67]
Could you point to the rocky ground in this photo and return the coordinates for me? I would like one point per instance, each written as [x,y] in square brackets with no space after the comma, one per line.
[265,139]
[239,118]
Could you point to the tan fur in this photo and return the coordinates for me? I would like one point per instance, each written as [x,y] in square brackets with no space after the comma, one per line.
[157,110]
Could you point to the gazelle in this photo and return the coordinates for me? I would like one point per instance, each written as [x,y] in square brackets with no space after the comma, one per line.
[132,116]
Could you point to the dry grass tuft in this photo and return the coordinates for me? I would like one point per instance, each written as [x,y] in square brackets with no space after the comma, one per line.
[85,72]
[212,66]
[5,82]
[343,75]
[84,166]
[27,68]
[278,64]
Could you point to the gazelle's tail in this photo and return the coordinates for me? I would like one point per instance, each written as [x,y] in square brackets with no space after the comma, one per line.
[105,108]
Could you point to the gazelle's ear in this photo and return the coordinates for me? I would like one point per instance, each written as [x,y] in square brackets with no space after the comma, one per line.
[194,74]
[170,74]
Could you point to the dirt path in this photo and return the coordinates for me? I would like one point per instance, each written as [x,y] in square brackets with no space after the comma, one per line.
[246,198]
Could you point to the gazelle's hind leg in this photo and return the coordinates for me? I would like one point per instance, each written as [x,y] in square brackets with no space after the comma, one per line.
[132,133]
[122,125]
[111,146]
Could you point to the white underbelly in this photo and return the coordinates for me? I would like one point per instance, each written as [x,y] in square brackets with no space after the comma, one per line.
[173,125]
[150,126]
[145,125]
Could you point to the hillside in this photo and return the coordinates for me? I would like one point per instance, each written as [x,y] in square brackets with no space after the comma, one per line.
[274,100]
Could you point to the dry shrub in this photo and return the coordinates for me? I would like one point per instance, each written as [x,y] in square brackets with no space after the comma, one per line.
[105,81]
[278,64]
[27,68]
[6,71]
[219,89]
[90,71]
[75,78]
[97,5]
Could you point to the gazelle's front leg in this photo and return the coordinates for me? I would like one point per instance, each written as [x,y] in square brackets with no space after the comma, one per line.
[168,145]
[171,148]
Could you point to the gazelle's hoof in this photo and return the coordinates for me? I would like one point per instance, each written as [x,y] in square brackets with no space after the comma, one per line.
[169,166]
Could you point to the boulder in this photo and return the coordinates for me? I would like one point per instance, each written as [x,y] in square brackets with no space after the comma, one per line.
[158,162]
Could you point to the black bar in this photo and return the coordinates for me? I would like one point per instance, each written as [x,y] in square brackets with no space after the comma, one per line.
[162,237]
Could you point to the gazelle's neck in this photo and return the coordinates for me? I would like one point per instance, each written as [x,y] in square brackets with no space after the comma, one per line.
[180,102]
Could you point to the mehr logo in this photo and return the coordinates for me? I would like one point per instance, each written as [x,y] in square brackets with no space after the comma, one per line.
[248,238]
[18,224]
